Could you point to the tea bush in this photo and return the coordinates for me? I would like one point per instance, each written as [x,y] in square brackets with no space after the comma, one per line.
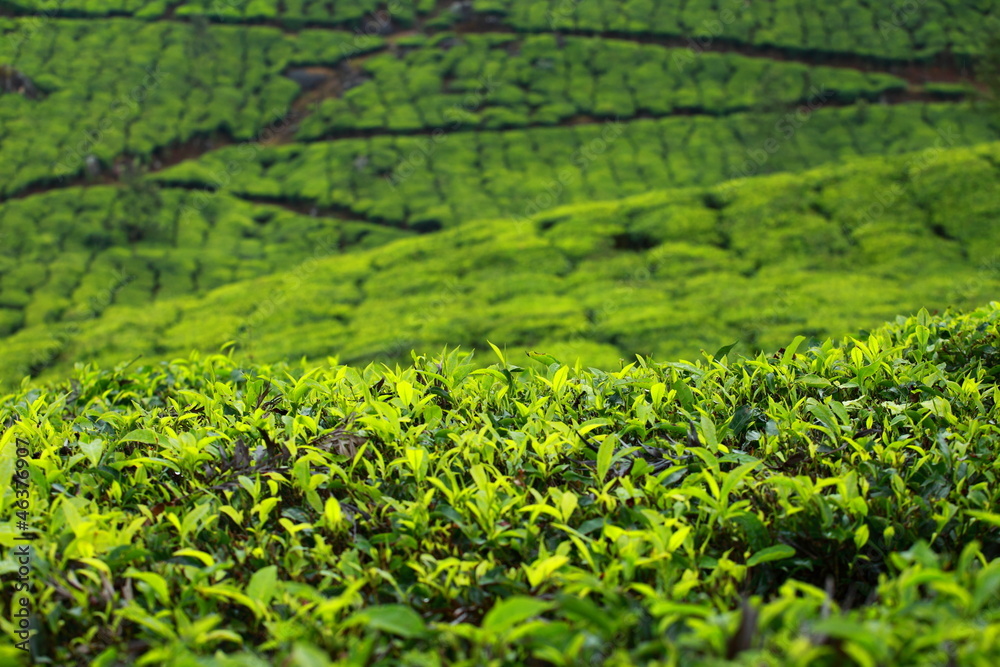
[501,81]
[826,505]
[588,188]
[291,14]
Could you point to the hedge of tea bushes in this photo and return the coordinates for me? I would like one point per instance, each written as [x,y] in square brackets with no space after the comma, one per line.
[114,88]
[69,254]
[889,30]
[666,274]
[445,177]
[87,8]
[503,81]
[368,15]
[834,504]
[885,31]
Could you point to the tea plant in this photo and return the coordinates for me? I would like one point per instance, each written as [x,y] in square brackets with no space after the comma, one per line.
[896,30]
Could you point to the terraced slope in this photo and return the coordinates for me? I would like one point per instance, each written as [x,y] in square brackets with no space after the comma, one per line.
[86,109]
[886,30]
[444,179]
[506,81]
[242,141]
[665,273]
[577,181]
[900,31]
[826,506]
[69,254]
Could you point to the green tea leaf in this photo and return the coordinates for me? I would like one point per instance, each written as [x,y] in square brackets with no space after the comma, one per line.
[8,457]
[723,351]
[604,454]
[157,583]
[395,619]
[777,552]
[143,435]
[262,585]
[790,350]
[509,612]
[93,450]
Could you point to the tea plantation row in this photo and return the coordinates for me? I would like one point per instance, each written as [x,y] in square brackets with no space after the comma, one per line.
[69,254]
[445,178]
[895,30]
[502,81]
[836,505]
[767,258]
[891,30]
[290,13]
[214,84]
[93,106]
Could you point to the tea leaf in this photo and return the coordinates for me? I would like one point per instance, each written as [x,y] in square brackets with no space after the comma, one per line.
[510,612]
[773,553]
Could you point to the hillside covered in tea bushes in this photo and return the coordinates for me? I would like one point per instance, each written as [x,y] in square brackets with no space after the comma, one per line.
[588,178]
[667,273]
[738,261]
[818,506]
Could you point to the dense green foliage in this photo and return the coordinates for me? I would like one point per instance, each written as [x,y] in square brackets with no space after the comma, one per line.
[442,179]
[208,206]
[411,132]
[177,82]
[825,506]
[767,258]
[69,254]
[888,30]
[501,81]
[900,30]
[288,13]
